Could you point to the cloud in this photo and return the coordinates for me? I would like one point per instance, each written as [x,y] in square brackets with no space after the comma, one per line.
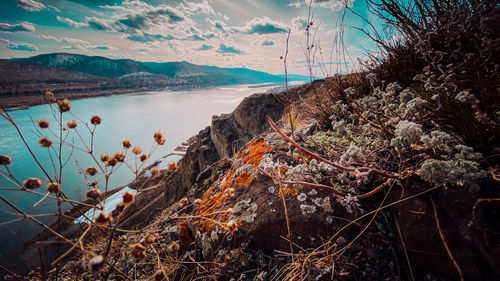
[333,5]
[76,43]
[263,25]
[147,37]
[267,43]
[205,47]
[300,23]
[16,27]
[27,47]
[30,5]
[297,4]
[71,22]
[223,49]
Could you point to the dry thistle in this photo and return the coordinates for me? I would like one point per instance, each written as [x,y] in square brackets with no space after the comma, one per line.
[159,275]
[184,201]
[94,194]
[126,144]
[173,248]
[93,183]
[45,141]
[5,160]
[111,162]
[162,141]
[53,187]
[104,218]
[64,105]
[49,96]
[43,123]
[120,207]
[137,150]
[32,183]
[172,167]
[96,264]
[159,138]
[155,172]
[138,250]
[120,156]
[128,198]
[95,120]
[72,124]
[144,157]
[105,157]
[91,171]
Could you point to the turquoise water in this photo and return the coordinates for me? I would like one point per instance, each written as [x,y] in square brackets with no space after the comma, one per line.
[136,117]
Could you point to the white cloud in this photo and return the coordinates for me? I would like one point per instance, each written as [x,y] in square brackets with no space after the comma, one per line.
[71,22]
[16,27]
[30,5]
[263,25]
[26,47]
[334,5]
[76,43]
[296,4]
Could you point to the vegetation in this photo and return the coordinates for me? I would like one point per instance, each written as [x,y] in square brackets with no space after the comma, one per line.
[394,177]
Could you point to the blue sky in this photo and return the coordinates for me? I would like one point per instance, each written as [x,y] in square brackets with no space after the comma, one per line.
[224,33]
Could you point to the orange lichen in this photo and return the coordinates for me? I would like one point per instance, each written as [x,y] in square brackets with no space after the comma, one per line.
[288,190]
[243,179]
[254,151]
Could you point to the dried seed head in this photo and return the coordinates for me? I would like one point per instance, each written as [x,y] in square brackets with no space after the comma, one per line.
[104,218]
[155,172]
[94,194]
[5,160]
[184,201]
[105,157]
[172,167]
[91,171]
[64,105]
[126,144]
[173,248]
[281,57]
[159,275]
[32,183]
[53,187]
[128,198]
[72,124]
[197,203]
[158,135]
[120,156]
[49,96]
[137,150]
[43,123]
[148,240]
[95,120]
[162,141]
[138,250]
[111,162]
[45,141]
[93,183]
[144,157]
[96,264]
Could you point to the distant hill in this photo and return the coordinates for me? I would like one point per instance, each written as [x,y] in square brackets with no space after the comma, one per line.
[194,74]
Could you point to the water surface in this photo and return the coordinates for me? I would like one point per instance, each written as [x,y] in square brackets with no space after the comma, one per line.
[179,115]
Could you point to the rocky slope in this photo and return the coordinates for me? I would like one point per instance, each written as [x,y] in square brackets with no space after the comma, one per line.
[224,213]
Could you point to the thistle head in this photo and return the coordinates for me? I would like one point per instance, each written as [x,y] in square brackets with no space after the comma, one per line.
[126,144]
[32,183]
[104,218]
[120,156]
[94,194]
[95,120]
[144,157]
[5,160]
[91,171]
[72,124]
[45,141]
[128,198]
[64,105]
[53,187]
[49,96]
[43,123]
[137,150]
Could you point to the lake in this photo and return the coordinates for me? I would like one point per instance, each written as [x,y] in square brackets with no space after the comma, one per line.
[179,115]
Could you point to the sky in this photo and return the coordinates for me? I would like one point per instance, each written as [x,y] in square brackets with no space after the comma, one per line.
[224,33]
